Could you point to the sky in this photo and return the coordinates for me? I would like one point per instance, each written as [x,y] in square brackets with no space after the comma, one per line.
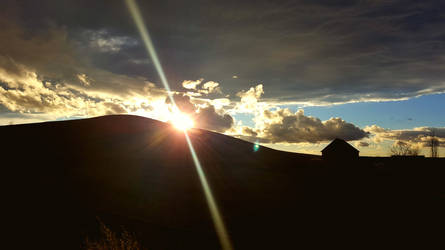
[291,75]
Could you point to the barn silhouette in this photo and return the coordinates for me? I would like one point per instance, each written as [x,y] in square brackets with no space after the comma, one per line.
[339,149]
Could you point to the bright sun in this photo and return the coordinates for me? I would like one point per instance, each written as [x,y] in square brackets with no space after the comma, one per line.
[182,121]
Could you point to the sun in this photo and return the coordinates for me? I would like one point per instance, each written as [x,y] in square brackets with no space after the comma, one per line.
[182,121]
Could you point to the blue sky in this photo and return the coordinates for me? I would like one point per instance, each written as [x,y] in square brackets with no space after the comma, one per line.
[423,111]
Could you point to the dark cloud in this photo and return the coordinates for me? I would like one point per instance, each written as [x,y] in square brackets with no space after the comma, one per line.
[183,103]
[48,52]
[206,117]
[209,118]
[248,131]
[319,51]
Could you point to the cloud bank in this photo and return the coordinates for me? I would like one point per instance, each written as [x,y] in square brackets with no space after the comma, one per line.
[420,136]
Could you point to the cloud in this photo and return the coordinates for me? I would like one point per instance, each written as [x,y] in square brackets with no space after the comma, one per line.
[249,99]
[204,114]
[366,51]
[196,89]
[420,136]
[209,118]
[83,79]
[48,52]
[219,103]
[183,102]
[248,131]
[22,91]
[362,144]
[104,41]
[210,87]
[190,84]
[276,125]
[283,126]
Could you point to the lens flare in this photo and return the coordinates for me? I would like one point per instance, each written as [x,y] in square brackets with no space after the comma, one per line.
[213,208]
[182,121]
[256,147]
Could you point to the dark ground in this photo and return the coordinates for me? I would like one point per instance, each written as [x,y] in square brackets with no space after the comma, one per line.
[137,173]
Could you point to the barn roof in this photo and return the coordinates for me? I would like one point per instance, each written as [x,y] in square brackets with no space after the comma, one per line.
[339,144]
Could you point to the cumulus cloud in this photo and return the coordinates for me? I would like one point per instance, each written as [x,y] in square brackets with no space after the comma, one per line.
[284,126]
[287,127]
[190,84]
[247,131]
[183,103]
[421,136]
[276,125]
[22,91]
[219,103]
[204,114]
[210,87]
[209,118]
[197,89]
[249,99]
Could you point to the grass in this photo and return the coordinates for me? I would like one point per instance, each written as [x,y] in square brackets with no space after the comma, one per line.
[113,241]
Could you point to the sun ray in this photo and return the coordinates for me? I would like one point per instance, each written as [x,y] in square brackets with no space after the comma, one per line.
[213,208]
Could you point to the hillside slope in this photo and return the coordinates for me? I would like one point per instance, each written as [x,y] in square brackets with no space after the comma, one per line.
[138,173]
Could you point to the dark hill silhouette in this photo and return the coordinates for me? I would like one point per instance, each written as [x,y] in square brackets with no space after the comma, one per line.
[138,173]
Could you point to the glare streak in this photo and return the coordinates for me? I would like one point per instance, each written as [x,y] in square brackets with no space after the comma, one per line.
[214,212]
[137,17]
[213,208]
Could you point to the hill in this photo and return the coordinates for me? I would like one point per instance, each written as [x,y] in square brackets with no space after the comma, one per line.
[138,173]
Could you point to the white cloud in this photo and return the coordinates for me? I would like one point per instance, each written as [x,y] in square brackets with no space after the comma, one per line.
[210,87]
[249,99]
[190,84]
[23,92]
[420,135]
[219,103]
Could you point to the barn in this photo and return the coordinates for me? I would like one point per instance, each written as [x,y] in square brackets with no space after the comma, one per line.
[339,149]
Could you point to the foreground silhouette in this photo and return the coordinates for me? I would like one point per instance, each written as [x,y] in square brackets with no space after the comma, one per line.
[137,173]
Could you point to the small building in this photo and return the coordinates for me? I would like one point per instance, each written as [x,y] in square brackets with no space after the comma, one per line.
[339,149]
